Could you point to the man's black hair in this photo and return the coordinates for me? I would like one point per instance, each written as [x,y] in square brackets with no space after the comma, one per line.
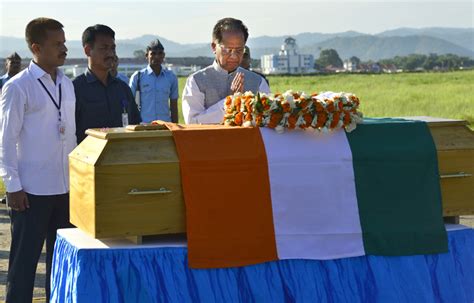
[36,30]
[91,33]
[229,25]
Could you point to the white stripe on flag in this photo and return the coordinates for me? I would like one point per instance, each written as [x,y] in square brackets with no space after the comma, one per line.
[313,194]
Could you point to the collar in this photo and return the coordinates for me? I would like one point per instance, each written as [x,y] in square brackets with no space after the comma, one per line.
[150,71]
[90,77]
[38,72]
[219,69]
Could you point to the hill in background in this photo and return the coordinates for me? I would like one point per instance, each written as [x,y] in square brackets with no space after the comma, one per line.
[397,42]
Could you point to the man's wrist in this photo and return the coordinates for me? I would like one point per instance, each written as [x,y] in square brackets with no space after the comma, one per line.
[12,185]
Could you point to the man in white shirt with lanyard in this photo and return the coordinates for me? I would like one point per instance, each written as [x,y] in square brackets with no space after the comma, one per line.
[37,132]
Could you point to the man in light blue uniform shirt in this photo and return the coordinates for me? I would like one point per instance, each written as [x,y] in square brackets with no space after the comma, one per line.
[158,87]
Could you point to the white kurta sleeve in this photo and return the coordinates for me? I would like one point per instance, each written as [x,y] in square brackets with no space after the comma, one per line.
[194,110]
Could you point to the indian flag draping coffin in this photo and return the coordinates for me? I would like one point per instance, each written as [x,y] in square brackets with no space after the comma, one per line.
[331,195]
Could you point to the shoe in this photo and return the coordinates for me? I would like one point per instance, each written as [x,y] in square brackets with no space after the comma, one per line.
[4,200]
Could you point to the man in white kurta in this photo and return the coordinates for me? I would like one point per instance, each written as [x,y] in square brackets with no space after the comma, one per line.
[205,91]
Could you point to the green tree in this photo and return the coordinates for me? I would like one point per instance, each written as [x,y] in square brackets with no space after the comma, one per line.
[329,57]
[430,62]
[356,60]
[139,54]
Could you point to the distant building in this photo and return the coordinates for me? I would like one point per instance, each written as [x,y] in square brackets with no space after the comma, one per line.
[127,66]
[389,68]
[288,61]
[180,70]
[350,65]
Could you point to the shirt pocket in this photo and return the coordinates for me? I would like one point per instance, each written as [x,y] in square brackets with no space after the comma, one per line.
[68,108]
[163,92]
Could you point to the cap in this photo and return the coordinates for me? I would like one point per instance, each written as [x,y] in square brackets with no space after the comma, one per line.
[155,45]
[247,51]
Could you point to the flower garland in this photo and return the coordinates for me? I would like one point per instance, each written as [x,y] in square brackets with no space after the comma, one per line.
[324,111]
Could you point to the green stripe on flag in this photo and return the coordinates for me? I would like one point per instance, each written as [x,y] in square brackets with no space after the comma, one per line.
[397,185]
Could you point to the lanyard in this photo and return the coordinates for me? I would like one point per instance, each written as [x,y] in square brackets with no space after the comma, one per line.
[58,106]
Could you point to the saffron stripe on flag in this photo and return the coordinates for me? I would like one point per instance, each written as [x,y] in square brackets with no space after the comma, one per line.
[226,189]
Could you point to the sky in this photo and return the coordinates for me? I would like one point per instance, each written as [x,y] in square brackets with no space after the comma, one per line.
[191,21]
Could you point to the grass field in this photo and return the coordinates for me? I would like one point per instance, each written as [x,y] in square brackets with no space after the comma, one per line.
[447,95]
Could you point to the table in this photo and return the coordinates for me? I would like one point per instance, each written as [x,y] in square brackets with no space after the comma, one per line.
[116,270]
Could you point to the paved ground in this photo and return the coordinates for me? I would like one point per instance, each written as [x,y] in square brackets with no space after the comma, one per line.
[39,295]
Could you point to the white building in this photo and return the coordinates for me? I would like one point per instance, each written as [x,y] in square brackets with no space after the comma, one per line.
[180,70]
[350,65]
[288,61]
[128,69]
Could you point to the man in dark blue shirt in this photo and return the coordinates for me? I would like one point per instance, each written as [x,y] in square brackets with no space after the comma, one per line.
[12,66]
[101,99]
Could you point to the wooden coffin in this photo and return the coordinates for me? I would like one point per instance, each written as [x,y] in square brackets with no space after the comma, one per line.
[127,182]
[455,146]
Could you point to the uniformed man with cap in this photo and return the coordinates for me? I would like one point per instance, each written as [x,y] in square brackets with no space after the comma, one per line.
[246,62]
[155,88]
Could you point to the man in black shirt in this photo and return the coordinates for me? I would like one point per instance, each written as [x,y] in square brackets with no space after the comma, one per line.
[101,100]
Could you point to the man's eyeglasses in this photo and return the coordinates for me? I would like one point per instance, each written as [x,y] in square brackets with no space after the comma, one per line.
[226,51]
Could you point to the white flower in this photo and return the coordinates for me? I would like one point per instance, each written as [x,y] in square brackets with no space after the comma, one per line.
[315,121]
[249,93]
[351,127]
[247,124]
[304,95]
[300,121]
[280,129]
[273,106]
[340,124]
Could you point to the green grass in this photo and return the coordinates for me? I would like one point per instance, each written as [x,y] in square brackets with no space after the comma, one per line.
[446,95]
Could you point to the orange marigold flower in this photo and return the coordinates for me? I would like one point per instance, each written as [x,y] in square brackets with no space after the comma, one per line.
[228,101]
[303,103]
[292,121]
[308,119]
[322,118]
[335,120]
[296,95]
[347,118]
[237,102]
[340,106]
[248,117]
[286,107]
[259,120]
[319,107]
[275,119]
[248,105]
[238,118]
[330,106]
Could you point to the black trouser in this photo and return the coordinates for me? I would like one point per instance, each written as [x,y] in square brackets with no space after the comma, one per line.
[29,230]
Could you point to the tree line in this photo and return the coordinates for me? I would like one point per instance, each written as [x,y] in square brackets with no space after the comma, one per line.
[330,57]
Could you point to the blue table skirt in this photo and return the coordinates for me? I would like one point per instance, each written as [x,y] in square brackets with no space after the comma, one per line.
[162,275]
